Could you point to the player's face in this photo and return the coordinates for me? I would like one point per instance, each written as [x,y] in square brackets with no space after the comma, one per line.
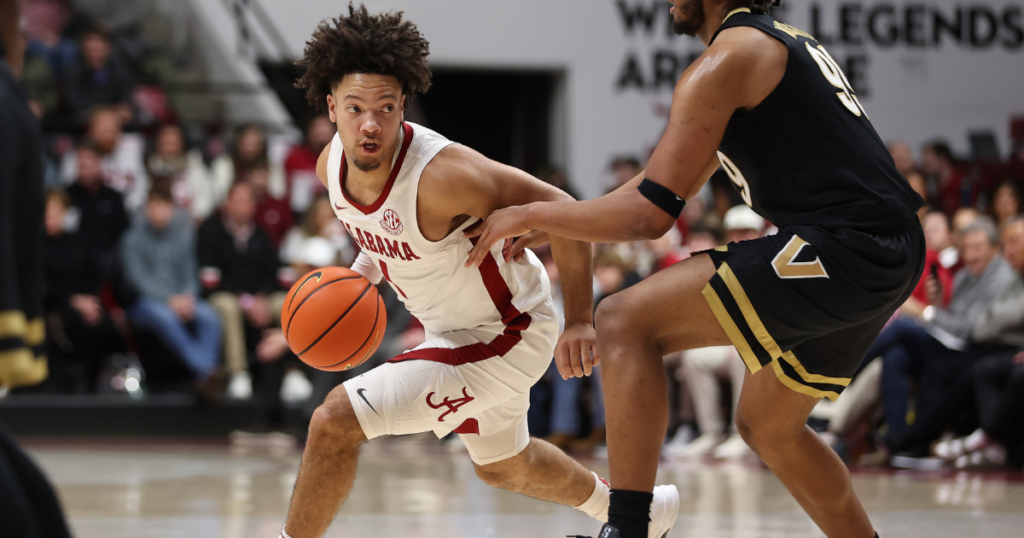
[368,110]
[688,16]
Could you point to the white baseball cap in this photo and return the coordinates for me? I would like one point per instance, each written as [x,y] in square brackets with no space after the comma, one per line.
[741,217]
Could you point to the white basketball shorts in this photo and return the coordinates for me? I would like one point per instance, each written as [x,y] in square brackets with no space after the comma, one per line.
[475,382]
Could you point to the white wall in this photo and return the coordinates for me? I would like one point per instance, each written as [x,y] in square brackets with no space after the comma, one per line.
[915,92]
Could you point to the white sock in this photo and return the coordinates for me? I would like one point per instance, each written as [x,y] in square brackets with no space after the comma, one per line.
[597,505]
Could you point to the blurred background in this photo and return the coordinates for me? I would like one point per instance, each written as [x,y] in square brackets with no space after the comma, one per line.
[182,202]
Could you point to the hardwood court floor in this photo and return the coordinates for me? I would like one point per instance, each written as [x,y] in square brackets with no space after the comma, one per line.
[415,490]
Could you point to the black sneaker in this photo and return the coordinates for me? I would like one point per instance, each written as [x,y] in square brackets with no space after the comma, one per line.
[606,532]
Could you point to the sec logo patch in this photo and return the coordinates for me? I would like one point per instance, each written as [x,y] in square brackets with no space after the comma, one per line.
[391,223]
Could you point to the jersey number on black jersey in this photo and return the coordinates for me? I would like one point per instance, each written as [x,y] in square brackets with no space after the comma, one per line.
[834,74]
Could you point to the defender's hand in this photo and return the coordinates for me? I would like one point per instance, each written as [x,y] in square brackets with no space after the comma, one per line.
[514,249]
[576,352]
[501,224]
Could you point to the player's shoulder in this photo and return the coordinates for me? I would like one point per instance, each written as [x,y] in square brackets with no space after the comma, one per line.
[744,45]
[453,165]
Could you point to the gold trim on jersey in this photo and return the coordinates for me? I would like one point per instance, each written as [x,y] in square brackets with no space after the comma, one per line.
[735,11]
[792,31]
[731,329]
[723,248]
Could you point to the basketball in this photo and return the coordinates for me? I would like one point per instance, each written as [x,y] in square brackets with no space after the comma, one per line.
[333,319]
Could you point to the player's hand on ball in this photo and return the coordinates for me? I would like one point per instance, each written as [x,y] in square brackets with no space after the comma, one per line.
[576,352]
[501,224]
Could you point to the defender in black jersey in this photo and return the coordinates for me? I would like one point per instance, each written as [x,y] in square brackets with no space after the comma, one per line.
[767,103]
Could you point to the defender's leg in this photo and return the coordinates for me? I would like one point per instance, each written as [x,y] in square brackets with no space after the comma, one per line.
[772,420]
[635,329]
[328,467]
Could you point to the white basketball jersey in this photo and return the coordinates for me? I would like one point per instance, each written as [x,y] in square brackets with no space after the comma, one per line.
[429,276]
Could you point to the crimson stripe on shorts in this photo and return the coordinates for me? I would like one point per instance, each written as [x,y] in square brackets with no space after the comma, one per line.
[515,323]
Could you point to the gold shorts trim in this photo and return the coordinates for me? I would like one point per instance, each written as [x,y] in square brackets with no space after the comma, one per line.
[762,335]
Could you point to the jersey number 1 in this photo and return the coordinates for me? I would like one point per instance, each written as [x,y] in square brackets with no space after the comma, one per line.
[837,78]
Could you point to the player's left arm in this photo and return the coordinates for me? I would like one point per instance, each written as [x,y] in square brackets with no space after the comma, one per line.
[464,182]
[738,71]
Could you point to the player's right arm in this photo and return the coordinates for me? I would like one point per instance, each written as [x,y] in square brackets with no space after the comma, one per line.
[362,264]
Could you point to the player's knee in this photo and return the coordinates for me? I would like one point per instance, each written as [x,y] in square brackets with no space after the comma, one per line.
[611,320]
[761,432]
[336,424]
[503,474]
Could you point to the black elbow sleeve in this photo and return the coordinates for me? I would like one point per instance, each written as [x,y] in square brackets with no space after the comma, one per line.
[662,197]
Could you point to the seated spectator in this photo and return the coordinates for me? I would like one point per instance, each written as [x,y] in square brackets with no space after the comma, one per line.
[97,78]
[239,265]
[160,262]
[40,84]
[742,224]
[1006,202]
[938,239]
[273,215]
[301,182]
[666,251]
[121,158]
[624,169]
[903,157]
[319,222]
[98,209]
[45,21]
[249,151]
[920,185]
[925,334]
[945,182]
[81,330]
[958,390]
[190,181]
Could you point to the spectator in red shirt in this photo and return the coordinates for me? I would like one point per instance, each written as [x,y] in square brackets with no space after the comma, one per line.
[301,182]
[946,182]
[273,215]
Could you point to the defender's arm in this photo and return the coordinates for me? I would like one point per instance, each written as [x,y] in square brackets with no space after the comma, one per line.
[738,71]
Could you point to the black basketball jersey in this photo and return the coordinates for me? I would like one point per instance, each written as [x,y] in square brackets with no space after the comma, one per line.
[808,153]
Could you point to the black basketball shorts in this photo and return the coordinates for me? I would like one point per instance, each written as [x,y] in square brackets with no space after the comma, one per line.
[809,302]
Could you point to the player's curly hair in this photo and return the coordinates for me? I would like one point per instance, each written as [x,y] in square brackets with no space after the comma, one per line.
[761,7]
[383,44]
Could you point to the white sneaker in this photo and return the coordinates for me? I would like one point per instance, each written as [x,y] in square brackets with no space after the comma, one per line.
[240,386]
[295,388]
[976,441]
[697,448]
[950,449]
[733,448]
[664,511]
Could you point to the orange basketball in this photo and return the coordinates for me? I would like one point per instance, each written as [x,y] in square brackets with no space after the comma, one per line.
[333,319]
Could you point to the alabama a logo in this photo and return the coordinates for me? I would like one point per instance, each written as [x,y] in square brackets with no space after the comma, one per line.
[391,223]
[452,404]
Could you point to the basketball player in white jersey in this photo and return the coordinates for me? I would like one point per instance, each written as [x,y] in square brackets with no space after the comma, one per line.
[407,194]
